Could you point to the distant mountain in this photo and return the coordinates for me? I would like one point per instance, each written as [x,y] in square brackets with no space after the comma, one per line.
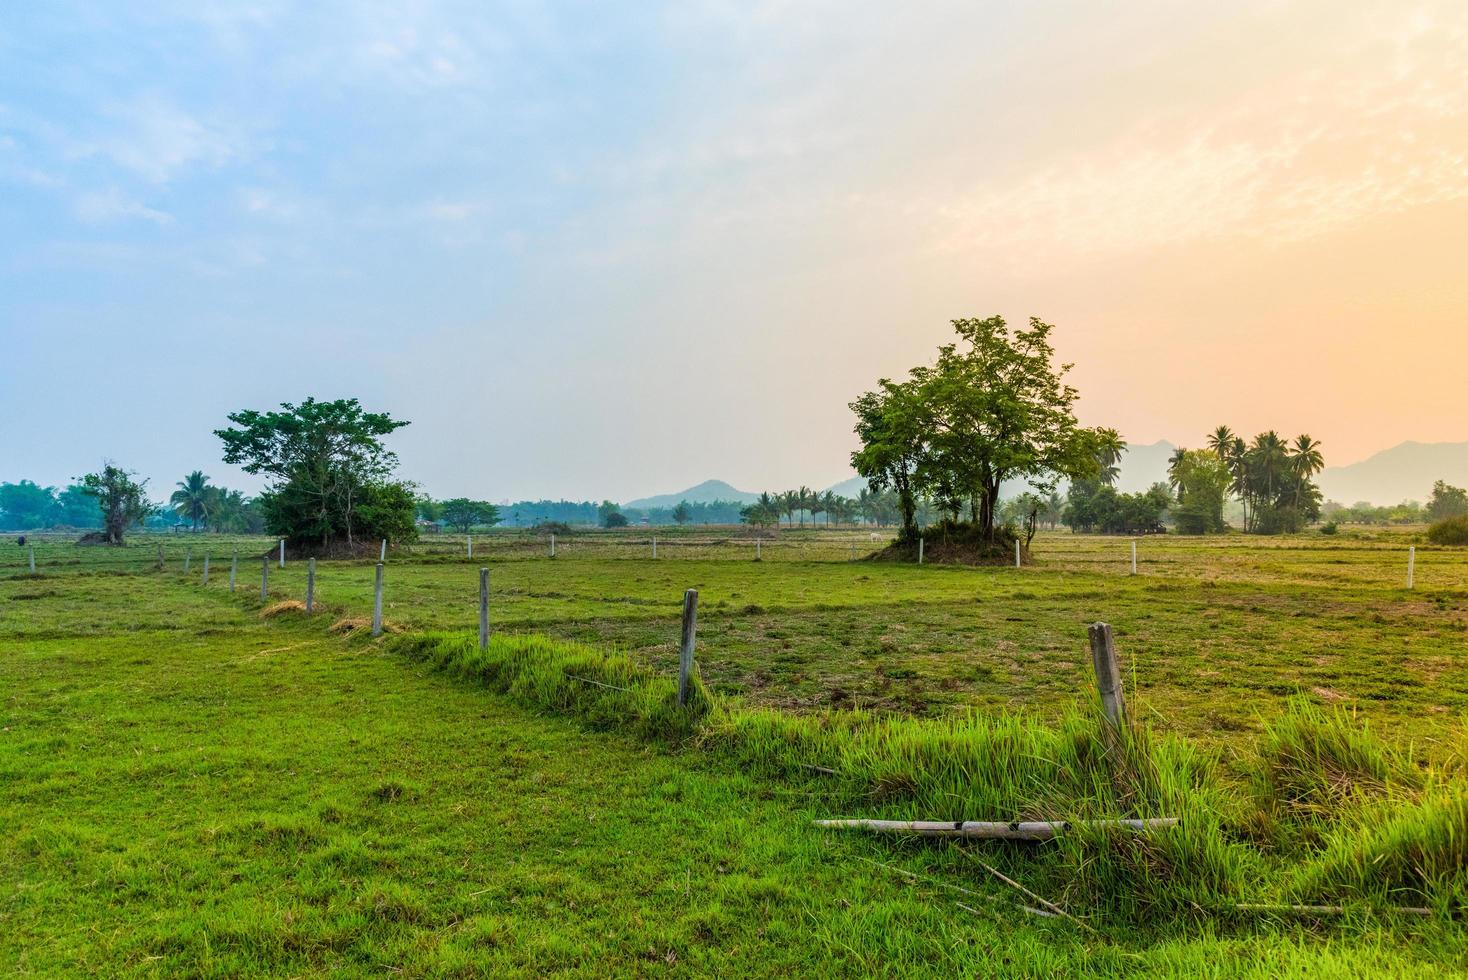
[706,492]
[1404,472]
[848,488]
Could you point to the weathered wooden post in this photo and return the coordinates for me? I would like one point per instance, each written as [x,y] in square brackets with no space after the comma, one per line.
[1108,675]
[206,570]
[1411,564]
[920,551]
[382,554]
[310,585]
[188,557]
[553,544]
[264,577]
[484,609]
[234,567]
[685,651]
[33,559]
[282,552]
[1134,557]
[377,603]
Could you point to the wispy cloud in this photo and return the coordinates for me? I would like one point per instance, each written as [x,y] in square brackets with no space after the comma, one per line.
[114,205]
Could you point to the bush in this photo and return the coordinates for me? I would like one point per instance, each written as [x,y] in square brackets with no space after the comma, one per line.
[1452,531]
[1329,527]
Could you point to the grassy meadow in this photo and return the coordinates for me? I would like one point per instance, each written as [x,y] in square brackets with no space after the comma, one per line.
[195,786]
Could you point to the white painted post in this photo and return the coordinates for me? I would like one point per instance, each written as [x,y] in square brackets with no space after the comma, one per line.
[1411,564]
[1016,552]
[654,546]
[377,603]
[264,577]
[206,570]
[756,549]
[920,551]
[282,552]
[234,566]
[685,650]
[1134,558]
[469,545]
[310,585]
[33,559]
[188,557]
[553,544]
[382,554]
[484,609]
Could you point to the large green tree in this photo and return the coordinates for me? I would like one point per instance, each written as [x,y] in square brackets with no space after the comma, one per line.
[462,514]
[26,505]
[994,407]
[122,499]
[1446,501]
[330,471]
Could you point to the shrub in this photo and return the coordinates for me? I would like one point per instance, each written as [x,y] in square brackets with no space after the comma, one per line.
[1330,527]
[1452,531]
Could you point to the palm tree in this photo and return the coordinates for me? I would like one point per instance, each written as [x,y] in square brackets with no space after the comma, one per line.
[790,503]
[1305,457]
[1109,449]
[1175,469]
[1221,441]
[193,497]
[803,502]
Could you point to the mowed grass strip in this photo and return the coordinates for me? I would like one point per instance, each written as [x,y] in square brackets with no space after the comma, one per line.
[233,796]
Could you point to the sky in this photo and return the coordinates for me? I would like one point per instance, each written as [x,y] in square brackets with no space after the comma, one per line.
[594,252]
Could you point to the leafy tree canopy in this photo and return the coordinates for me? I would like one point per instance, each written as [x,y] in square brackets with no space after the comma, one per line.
[462,513]
[121,499]
[994,407]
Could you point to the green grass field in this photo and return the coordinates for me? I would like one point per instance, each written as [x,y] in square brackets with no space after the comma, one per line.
[193,788]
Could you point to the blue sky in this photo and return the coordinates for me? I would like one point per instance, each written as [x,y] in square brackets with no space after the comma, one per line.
[608,252]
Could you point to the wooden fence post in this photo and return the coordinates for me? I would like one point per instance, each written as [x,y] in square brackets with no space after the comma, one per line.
[1108,675]
[234,566]
[654,546]
[282,552]
[920,551]
[310,585]
[469,545]
[33,559]
[484,609]
[264,577]
[1411,564]
[206,570]
[685,651]
[382,554]
[553,544]
[1134,557]
[377,603]
[1016,552]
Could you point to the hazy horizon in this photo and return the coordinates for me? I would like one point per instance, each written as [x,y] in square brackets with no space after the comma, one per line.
[627,252]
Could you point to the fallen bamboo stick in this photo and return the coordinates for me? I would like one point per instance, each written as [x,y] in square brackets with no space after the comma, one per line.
[1039,898]
[1323,909]
[993,829]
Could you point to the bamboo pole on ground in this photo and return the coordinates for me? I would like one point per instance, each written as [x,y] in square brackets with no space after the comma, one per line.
[994,829]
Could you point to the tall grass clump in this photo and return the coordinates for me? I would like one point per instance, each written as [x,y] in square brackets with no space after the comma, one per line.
[1312,763]
[605,690]
[1449,531]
